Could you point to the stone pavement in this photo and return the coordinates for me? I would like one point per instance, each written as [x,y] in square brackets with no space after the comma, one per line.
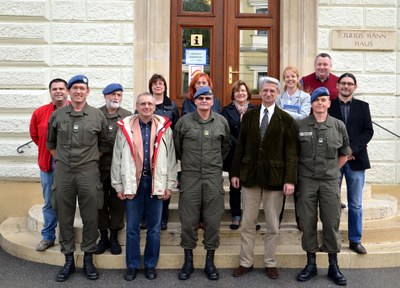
[19,273]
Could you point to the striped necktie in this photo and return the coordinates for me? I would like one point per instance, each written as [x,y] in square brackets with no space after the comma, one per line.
[264,124]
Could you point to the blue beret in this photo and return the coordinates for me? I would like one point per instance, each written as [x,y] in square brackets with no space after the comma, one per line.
[205,90]
[110,88]
[321,91]
[78,79]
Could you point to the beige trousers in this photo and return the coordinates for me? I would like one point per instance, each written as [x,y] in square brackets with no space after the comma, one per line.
[272,204]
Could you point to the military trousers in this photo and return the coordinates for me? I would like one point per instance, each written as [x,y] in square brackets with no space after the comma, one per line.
[325,195]
[201,195]
[69,185]
[111,215]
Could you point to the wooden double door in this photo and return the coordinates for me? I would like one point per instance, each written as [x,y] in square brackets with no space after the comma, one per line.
[228,39]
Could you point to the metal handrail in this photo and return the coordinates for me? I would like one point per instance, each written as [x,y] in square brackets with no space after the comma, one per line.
[19,149]
[387,130]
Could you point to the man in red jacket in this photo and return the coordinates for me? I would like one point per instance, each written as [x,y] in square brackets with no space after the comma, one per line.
[38,131]
[322,77]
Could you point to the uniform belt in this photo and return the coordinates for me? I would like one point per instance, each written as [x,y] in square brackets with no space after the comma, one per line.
[146,173]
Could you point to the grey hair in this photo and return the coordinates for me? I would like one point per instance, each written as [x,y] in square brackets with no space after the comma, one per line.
[267,79]
[144,94]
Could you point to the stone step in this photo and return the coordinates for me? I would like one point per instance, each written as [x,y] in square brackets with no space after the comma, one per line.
[289,235]
[380,206]
[19,241]
[367,192]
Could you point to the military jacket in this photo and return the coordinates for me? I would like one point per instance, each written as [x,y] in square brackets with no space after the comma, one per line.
[112,119]
[201,145]
[320,145]
[78,137]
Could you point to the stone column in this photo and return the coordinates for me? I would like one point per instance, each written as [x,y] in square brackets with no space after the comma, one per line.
[299,34]
[151,43]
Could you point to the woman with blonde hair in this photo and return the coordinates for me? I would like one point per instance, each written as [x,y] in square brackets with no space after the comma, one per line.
[293,100]
[297,104]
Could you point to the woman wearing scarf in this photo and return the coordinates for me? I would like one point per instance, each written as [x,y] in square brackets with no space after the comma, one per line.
[233,113]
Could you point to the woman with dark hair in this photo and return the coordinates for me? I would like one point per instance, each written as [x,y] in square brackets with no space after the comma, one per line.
[233,113]
[200,79]
[164,107]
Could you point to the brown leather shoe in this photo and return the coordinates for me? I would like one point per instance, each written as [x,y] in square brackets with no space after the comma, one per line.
[272,272]
[241,270]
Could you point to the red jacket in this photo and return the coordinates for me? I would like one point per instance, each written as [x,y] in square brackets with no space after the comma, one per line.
[311,82]
[38,131]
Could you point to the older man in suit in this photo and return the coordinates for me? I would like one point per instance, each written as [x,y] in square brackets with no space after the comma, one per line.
[357,117]
[265,163]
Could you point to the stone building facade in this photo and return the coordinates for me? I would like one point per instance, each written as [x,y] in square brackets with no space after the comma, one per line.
[127,41]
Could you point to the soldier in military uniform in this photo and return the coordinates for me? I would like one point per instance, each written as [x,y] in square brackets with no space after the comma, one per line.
[111,216]
[201,142]
[323,149]
[76,137]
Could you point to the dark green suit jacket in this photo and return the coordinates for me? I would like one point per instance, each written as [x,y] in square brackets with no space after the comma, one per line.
[269,163]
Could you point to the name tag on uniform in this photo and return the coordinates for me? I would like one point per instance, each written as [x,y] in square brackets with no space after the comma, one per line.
[305,133]
[206,132]
[75,128]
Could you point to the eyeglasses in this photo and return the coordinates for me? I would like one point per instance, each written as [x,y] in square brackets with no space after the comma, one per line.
[346,84]
[159,83]
[201,98]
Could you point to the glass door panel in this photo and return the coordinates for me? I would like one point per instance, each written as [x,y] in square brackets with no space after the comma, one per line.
[196,44]
[254,7]
[197,5]
[253,57]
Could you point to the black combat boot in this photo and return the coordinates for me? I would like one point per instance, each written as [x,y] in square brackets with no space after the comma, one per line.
[104,243]
[68,269]
[310,270]
[88,267]
[115,247]
[334,272]
[187,267]
[210,269]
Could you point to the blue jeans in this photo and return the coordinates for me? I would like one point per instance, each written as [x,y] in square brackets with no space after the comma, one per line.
[355,185]
[134,210]
[49,216]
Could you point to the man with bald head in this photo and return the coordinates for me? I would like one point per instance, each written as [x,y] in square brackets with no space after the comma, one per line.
[143,173]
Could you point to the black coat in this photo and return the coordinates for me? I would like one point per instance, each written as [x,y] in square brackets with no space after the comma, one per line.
[168,109]
[359,128]
[233,117]
[269,162]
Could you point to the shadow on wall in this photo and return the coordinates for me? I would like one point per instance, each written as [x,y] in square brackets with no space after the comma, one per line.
[16,198]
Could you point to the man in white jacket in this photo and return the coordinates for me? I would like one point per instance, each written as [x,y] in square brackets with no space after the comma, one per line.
[143,172]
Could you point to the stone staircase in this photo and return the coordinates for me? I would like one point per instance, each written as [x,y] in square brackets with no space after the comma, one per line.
[381,237]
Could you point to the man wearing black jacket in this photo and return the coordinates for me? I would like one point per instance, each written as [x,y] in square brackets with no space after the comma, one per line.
[357,117]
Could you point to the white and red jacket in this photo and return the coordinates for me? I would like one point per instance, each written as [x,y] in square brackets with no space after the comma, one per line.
[127,162]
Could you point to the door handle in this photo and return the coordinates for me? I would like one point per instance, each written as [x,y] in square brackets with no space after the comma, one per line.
[230,74]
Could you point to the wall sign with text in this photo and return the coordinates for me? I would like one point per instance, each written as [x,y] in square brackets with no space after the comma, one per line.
[364,39]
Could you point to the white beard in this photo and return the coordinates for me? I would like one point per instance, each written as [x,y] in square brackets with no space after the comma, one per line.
[112,104]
